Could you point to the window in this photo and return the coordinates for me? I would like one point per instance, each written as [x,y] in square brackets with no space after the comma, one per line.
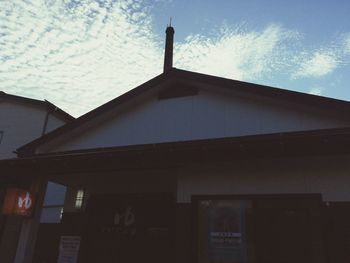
[53,203]
[79,199]
[222,230]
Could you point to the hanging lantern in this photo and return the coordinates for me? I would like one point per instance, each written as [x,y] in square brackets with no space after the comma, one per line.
[18,202]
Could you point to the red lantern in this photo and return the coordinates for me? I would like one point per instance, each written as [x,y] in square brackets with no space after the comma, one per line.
[18,202]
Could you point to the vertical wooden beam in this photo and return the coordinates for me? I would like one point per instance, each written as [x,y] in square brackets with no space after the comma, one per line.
[9,238]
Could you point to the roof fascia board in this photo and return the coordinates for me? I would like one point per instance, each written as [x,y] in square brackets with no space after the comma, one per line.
[266,91]
[58,112]
[99,119]
[270,137]
[279,102]
[46,105]
[329,142]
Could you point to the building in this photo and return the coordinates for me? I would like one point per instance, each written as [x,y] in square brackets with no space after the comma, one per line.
[21,121]
[189,167]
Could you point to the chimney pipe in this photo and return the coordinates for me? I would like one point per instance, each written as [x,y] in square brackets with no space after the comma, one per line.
[168,55]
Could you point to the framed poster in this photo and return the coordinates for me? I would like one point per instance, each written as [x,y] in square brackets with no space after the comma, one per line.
[69,249]
[221,230]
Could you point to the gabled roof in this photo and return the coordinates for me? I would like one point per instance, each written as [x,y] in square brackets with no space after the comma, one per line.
[339,106]
[46,105]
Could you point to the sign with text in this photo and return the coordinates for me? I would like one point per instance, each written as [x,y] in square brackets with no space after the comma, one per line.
[18,202]
[69,249]
[226,231]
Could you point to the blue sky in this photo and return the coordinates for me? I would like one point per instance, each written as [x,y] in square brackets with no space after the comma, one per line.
[81,54]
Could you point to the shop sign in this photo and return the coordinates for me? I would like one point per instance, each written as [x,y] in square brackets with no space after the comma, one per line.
[18,202]
[123,223]
[69,249]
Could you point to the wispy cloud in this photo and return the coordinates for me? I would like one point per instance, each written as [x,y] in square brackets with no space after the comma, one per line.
[80,54]
[317,64]
[239,54]
[77,54]
[316,91]
[347,44]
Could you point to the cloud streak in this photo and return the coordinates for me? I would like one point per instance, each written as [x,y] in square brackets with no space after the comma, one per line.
[80,54]
[347,45]
[244,55]
[317,65]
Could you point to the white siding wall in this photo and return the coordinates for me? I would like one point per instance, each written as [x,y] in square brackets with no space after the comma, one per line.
[20,124]
[207,115]
[329,176]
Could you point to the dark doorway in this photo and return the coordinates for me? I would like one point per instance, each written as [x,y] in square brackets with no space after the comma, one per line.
[283,235]
[46,246]
[338,232]
[259,228]
[129,229]
[288,229]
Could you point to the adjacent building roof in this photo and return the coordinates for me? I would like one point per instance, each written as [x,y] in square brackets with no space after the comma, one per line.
[39,103]
[193,80]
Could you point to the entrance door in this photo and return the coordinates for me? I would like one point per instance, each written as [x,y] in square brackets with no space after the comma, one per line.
[130,229]
[259,229]
[285,230]
[283,236]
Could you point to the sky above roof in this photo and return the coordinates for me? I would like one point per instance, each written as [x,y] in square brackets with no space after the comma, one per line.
[81,54]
